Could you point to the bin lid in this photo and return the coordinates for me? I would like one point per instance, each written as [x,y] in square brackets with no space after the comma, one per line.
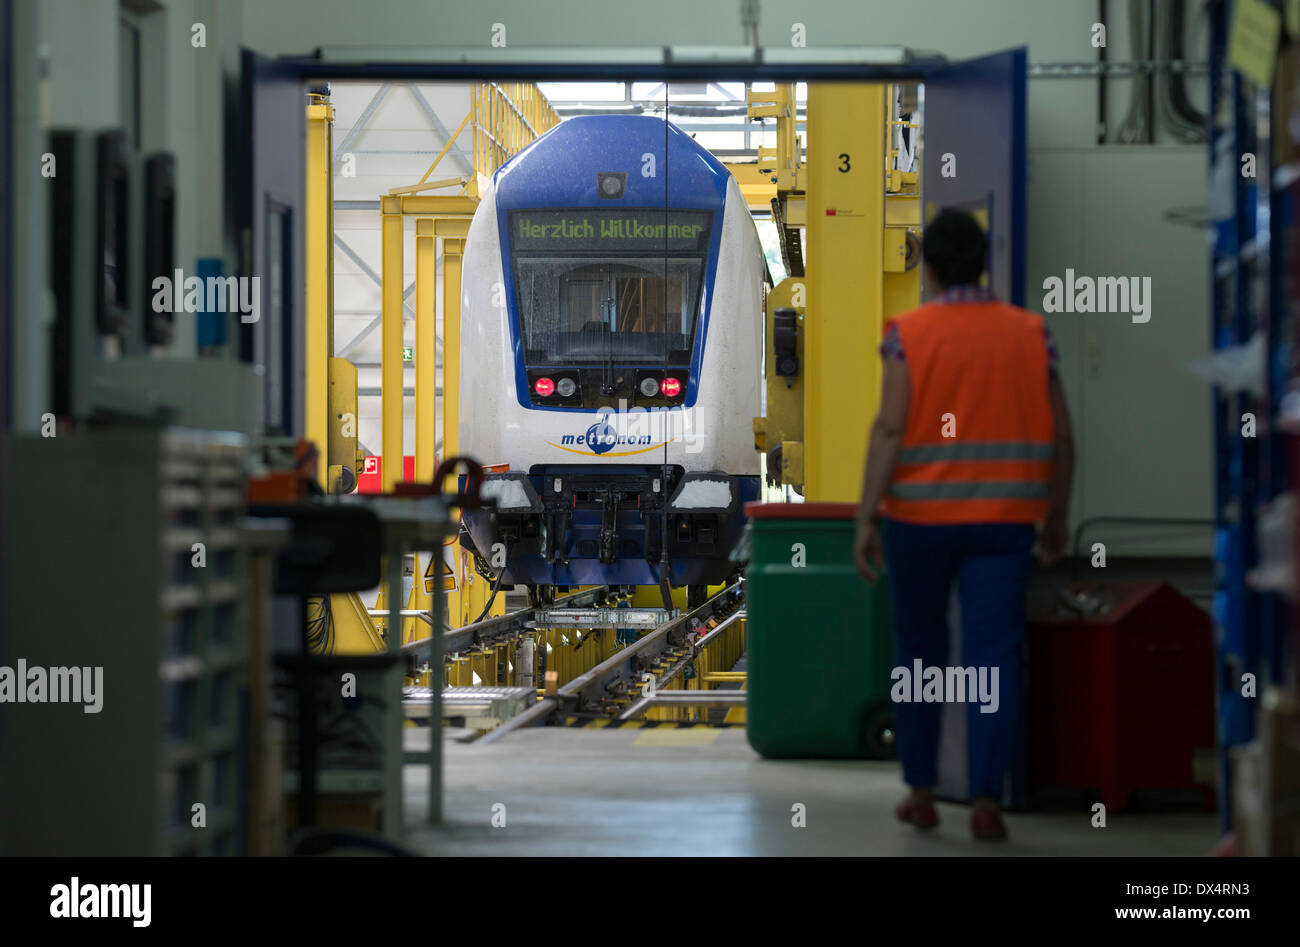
[801,511]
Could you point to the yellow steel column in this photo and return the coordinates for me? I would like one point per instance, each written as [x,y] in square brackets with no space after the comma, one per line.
[426,424]
[391,364]
[452,251]
[846,186]
[471,594]
[319,314]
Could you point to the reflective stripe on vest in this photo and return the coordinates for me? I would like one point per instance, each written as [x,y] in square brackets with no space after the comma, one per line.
[972,490]
[994,450]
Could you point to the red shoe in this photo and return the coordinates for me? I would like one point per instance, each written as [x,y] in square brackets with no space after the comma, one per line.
[986,824]
[920,814]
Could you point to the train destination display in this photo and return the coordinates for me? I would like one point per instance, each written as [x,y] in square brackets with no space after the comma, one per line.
[610,230]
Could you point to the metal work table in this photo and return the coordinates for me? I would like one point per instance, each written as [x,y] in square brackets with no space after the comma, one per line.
[410,524]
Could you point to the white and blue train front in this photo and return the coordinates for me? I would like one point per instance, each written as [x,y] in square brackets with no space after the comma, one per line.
[611,355]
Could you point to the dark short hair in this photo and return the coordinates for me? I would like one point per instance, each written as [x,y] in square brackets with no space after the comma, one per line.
[955,246]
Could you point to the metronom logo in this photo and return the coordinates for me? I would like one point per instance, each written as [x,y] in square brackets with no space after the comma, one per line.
[635,430]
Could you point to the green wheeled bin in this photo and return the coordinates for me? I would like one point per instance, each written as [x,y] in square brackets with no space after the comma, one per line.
[820,648]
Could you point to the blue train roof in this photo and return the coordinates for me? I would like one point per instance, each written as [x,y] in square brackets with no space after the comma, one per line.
[559,169]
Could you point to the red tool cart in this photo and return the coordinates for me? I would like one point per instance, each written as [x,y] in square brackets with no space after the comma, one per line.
[1121,691]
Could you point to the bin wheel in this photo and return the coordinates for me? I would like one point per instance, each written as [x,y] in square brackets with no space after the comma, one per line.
[881,737]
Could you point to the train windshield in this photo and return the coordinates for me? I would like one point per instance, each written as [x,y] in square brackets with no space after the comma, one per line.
[600,286]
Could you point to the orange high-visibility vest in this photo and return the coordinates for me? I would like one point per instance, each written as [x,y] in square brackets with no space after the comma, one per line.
[979,438]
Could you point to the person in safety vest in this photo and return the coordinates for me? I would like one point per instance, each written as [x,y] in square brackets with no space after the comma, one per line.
[971,450]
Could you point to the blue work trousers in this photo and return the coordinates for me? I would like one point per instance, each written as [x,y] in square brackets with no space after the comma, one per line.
[990,564]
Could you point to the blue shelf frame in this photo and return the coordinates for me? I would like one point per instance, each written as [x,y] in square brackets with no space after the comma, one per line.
[1248,261]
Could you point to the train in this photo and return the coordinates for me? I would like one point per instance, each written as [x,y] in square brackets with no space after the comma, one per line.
[611,359]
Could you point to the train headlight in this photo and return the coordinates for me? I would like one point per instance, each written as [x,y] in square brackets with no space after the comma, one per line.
[703,492]
[511,492]
[649,386]
[544,387]
[671,387]
[565,387]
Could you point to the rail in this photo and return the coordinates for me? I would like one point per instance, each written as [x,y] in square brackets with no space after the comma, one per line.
[726,699]
[460,639]
[591,688]
[616,675]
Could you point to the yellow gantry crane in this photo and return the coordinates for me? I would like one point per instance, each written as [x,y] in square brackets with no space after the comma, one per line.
[860,214]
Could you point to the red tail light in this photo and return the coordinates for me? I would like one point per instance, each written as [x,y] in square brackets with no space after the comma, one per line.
[671,387]
[544,387]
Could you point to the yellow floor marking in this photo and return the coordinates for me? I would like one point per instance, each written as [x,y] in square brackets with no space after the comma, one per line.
[692,736]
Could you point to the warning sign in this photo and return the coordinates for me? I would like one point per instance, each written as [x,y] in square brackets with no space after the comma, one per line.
[445,573]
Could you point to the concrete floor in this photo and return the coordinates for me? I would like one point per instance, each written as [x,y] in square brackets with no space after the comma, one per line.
[702,791]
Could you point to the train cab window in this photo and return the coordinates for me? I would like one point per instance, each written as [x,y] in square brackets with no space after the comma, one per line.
[592,287]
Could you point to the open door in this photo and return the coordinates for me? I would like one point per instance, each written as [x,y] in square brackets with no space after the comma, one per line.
[974,158]
[271,200]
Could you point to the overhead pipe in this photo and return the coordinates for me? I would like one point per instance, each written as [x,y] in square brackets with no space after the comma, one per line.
[1101,78]
[1177,80]
[1151,76]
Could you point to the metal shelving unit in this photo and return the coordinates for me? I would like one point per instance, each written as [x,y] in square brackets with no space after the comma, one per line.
[1252,227]
[108,579]
[202,667]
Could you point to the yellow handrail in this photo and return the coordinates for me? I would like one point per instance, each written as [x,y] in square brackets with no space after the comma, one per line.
[459,128]
[506,117]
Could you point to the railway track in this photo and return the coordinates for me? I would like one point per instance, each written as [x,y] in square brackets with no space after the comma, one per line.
[628,682]
[502,627]
[624,685]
